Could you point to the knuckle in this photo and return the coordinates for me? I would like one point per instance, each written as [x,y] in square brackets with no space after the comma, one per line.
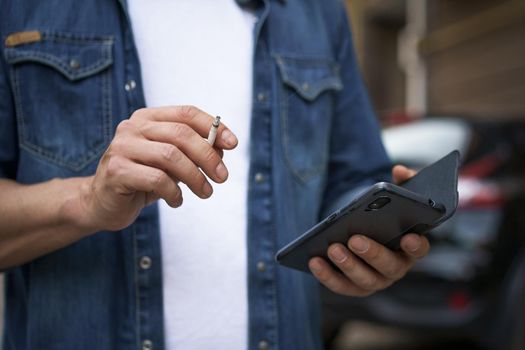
[145,126]
[115,166]
[139,113]
[393,272]
[188,112]
[200,180]
[123,126]
[193,178]
[349,264]
[210,156]
[168,153]
[323,276]
[117,146]
[181,131]
[158,178]
[373,252]
[368,283]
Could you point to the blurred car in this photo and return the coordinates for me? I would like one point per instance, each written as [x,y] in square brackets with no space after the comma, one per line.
[472,283]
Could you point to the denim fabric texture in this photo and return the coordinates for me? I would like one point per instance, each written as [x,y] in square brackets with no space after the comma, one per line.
[314,143]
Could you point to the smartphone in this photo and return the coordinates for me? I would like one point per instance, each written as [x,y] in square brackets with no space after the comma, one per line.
[384,213]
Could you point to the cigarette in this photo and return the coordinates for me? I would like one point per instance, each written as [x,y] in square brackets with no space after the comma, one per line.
[212,135]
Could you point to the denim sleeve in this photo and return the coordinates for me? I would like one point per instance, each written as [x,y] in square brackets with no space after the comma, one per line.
[8,131]
[357,156]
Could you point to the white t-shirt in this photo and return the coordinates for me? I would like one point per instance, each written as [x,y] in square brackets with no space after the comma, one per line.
[200,52]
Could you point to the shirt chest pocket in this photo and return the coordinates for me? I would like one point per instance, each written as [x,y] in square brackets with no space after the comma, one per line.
[306,107]
[62,90]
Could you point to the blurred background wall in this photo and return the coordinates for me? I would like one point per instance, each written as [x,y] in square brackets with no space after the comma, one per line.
[442,56]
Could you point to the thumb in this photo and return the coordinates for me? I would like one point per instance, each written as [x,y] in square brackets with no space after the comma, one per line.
[401,173]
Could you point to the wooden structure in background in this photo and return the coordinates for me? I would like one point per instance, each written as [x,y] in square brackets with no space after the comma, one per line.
[474,53]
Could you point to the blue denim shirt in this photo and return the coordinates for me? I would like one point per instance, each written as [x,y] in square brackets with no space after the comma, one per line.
[314,142]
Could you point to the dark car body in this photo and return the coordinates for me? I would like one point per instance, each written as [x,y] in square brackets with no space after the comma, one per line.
[472,283]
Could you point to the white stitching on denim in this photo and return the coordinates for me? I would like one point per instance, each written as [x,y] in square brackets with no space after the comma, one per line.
[107,117]
[41,152]
[18,107]
[333,82]
[75,38]
[13,57]
[105,61]
[284,93]
[303,175]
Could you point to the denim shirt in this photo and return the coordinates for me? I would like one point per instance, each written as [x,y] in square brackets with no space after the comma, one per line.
[66,86]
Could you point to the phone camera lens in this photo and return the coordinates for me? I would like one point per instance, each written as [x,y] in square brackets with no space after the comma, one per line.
[379,203]
[374,205]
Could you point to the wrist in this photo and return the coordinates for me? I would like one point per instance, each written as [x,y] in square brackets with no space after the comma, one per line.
[75,209]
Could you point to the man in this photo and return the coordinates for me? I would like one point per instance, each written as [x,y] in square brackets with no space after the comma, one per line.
[302,141]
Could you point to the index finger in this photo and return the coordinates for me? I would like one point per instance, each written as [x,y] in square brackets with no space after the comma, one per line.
[388,263]
[197,119]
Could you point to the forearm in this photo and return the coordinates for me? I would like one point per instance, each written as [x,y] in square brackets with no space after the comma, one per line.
[150,154]
[38,219]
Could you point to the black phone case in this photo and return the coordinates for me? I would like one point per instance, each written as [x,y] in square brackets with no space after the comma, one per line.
[419,204]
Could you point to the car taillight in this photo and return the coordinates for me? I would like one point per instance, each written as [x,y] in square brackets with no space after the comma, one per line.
[485,165]
[458,301]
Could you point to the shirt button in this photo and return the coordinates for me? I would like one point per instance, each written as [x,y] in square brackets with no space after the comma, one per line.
[261,266]
[147,345]
[305,86]
[261,97]
[145,262]
[259,178]
[263,345]
[74,64]
[130,85]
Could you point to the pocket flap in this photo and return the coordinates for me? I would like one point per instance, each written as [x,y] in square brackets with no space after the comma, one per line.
[75,56]
[309,77]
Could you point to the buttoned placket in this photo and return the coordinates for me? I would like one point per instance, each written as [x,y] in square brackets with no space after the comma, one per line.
[145,233]
[262,298]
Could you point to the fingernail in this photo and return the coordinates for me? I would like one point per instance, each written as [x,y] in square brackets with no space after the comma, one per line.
[207,189]
[229,138]
[339,255]
[221,171]
[315,267]
[178,199]
[413,244]
[359,244]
